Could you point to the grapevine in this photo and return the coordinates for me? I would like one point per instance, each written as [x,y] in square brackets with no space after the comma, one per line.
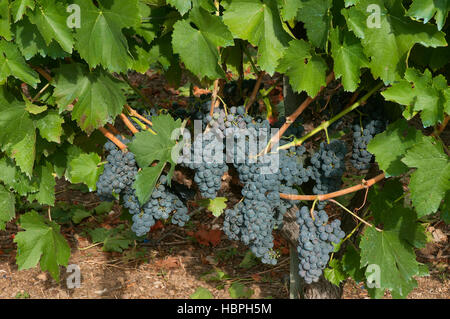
[324,124]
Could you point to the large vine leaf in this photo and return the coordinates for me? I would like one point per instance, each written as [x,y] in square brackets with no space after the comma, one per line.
[305,69]
[50,19]
[391,251]
[349,58]
[43,175]
[7,206]
[390,146]
[198,47]
[182,6]
[426,9]
[290,8]
[149,147]
[100,96]
[19,7]
[85,168]
[12,63]
[317,18]
[18,132]
[41,241]
[5,20]
[389,43]
[14,179]
[421,92]
[431,180]
[31,42]
[100,39]
[49,125]
[259,23]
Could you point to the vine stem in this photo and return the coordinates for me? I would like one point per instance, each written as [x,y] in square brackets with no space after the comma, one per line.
[291,118]
[354,215]
[134,113]
[324,125]
[136,90]
[255,91]
[214,97]
[113,129]
[42,72]
[128,123]
[40,92]
[364,184]
[112,138]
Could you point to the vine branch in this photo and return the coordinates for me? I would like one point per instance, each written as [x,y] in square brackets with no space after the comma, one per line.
[364,184]
[112,138]
[291,118]
[128,123]
[324,125]
[255,90]
[134,113]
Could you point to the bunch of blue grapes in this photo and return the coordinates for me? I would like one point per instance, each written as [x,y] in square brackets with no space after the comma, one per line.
[315,242]
[118,173]
[327,168]
[207,160]
[160,206]
[255,217]
[362,135]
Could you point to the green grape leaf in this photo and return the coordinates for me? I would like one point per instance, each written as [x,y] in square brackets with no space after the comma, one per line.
[100,39]
[49,125]
[18,133]
[351,264]
[426,9]
[388,210]
[305,69]
[79,214]
[390,146]
[49,18]
[160,147]
[19,7]
[317,18]
[201,293]
[349,58]
[5,20]
[387,255]
[12,63]
[334,273]
[41,241]
[431,180]
[86,169]
[146,30]
[7,206]
[12,177]
[421,92]
[238,290]
[197,47]
[216,205]
[290,8]
[31,42]
[34,109]
[182,6]
[112,239]
[388,36]
[146,180]
[259,23]
[100,96]
[44,179]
